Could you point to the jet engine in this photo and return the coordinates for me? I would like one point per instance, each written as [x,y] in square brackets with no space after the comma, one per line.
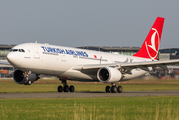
[19,78]
[109,75]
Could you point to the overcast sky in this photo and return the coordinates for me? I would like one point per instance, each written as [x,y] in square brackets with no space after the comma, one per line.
[87,23]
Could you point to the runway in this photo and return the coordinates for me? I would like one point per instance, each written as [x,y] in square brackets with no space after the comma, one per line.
[89,94]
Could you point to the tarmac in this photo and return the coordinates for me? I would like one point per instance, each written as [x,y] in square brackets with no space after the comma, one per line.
[89,94]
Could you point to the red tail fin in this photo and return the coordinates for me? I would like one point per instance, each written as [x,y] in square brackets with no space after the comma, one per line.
[151,44]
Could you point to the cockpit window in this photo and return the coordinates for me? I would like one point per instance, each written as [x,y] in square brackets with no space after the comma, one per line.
[17,50]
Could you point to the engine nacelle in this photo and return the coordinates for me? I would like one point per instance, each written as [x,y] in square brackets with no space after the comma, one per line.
[20,79]
[109,75]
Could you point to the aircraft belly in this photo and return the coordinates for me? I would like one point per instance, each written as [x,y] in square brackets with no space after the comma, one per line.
[44,71]
[79,75]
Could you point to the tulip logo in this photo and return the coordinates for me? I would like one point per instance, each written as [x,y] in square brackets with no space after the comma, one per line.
[153,44]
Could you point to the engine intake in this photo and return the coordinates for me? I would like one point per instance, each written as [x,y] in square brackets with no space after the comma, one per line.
[109,75]
[19,78]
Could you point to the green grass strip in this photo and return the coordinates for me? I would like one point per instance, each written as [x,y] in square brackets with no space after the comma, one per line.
[113,108]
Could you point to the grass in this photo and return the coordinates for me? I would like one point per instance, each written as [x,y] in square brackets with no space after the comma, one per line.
[113,108]
[9,86]
[108,108]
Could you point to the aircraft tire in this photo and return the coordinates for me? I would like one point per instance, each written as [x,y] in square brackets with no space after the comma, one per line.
[25,82]
[29,83]
[60,88]
[119,89]
[114,89]
[108,89]
[72,88]
[66,89]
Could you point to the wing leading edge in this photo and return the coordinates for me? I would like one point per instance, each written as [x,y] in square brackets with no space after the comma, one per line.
[129,66]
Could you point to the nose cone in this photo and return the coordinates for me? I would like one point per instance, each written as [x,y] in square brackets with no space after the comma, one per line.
[12,59]
[9,58]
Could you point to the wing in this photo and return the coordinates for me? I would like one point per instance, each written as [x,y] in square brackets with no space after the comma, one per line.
[129,66]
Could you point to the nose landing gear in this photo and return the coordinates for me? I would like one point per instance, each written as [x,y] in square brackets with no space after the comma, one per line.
[27,81]
[29,78]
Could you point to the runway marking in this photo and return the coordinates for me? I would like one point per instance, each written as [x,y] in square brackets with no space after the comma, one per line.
[90,94]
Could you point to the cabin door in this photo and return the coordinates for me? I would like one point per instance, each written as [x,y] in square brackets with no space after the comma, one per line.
[36,53]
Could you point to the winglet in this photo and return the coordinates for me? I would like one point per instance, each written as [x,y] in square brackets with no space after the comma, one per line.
[151,44]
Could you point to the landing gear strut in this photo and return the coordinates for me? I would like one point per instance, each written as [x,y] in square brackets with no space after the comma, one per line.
[26,78]
[65,87]
[113,89]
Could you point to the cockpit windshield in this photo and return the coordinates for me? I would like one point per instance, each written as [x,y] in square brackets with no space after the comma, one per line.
[17,50]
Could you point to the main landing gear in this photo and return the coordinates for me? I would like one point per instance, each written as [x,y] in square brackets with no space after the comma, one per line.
[65,87]
[113,89]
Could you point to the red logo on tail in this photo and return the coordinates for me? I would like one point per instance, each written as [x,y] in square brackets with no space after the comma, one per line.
[152,47]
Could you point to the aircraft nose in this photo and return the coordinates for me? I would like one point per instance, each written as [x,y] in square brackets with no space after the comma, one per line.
[11,58]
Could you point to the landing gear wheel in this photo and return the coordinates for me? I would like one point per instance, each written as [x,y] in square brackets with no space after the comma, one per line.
[60,88]
[25,83]
[66,89]
[119,89]
[72,88]
[113,89]
[29,82]
[108,89]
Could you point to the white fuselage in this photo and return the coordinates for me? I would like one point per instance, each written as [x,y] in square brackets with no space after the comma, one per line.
[59,61]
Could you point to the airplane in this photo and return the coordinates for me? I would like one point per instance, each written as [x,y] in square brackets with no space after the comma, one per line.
[66,63]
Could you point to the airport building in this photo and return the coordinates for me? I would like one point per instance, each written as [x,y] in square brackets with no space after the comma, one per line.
[5,70]
[164,54]
[4,49]
[169,53]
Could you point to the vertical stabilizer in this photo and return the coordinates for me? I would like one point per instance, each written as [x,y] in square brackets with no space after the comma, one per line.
[151,44]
